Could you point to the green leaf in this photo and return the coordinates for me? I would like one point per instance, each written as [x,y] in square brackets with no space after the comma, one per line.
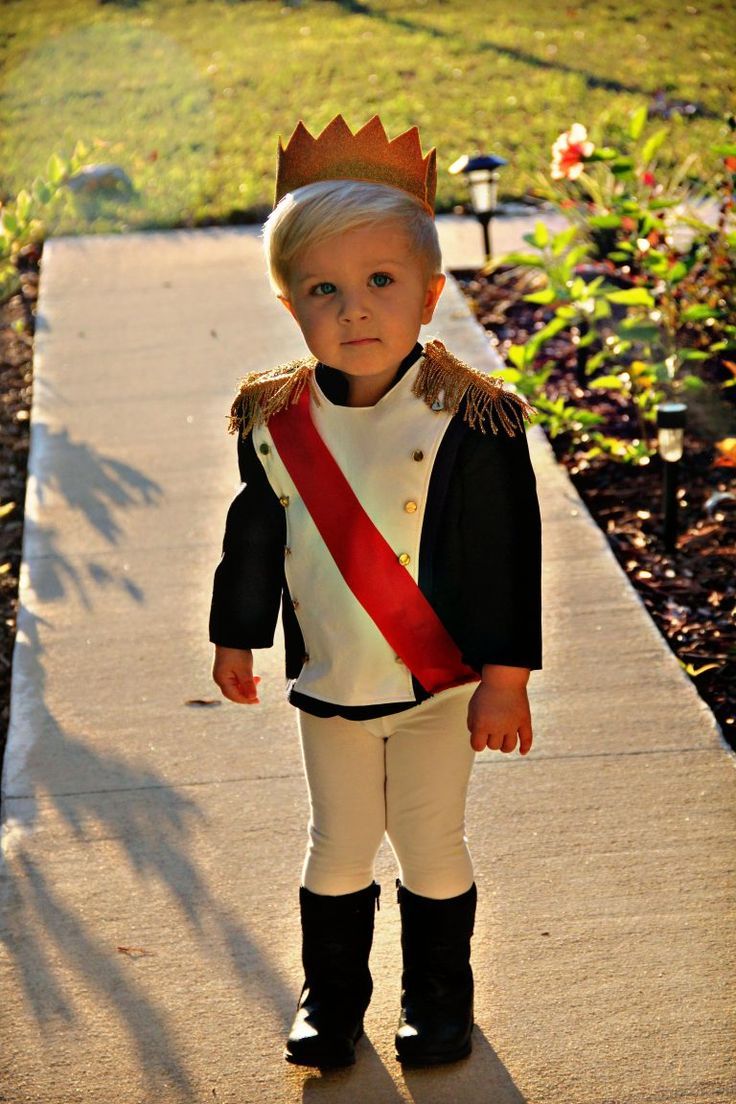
[551,329]
[635,331]
[517,355]
[677,272]
[726,150]
[10,223]
[638,122]
[577,254]
[597,360]
[605,222]
[699,312]
[631,297]
[623,166]
[540,237]
[566,313]
[41,191]
[23,205]
[620,255]
[693,383]
[693,354]
[81,150]
[510,375]
[662,204]
[530,259]
[652,144]
[562,239]
[57,168]
[609,383]
[547,295]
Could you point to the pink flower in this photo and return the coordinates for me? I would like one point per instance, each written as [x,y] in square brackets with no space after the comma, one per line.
[569,153]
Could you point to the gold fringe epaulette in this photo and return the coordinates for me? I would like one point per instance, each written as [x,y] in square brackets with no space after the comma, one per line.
[262,394]
[441,373]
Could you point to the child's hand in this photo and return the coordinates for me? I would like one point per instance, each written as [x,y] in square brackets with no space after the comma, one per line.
[499,713]
[232,670]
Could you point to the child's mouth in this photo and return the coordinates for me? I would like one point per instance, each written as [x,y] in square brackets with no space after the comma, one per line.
[361,341]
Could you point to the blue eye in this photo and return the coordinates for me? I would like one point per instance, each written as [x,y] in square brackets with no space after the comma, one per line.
[381,279]
[324,288]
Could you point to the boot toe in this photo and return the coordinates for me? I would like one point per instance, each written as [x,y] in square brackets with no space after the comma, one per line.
[319,1042]
[433,1045]
[320,1051]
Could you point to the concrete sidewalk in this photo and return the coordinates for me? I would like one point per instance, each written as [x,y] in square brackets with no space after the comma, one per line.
[153,847]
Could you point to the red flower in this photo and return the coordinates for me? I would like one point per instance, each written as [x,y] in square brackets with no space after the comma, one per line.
[648,179]
[628,223]
[569,152]
[730,163]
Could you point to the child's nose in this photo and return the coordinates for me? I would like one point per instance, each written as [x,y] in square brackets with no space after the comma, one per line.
[353,306]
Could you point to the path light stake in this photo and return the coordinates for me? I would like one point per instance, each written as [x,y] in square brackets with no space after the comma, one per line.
[671,418]
[482,177]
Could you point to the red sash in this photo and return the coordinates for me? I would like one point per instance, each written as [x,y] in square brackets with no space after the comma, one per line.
[366,561]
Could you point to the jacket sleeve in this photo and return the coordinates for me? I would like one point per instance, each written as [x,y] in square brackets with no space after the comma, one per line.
[493,539]
[249,578]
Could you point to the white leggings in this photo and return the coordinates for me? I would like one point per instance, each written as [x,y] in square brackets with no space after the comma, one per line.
[405,775]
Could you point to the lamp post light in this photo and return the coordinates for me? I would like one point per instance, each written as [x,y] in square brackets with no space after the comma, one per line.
[671,418]
[482,177]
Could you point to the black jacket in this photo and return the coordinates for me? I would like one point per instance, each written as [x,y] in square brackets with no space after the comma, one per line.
[479,561]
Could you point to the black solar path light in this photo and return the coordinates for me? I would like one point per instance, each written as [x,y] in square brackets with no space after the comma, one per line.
[481,173]
[671,418]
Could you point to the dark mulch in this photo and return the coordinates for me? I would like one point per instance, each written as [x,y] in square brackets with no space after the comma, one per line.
[16,382]
[691,593]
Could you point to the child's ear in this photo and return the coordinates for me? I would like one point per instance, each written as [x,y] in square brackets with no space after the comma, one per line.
[287,303]
[434,290]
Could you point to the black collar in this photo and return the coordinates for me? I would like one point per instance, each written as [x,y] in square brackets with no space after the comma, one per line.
[334,384]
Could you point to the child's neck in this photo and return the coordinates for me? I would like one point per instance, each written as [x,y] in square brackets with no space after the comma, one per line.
[368,390]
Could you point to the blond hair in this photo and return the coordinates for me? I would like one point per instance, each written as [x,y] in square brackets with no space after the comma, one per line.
[329,207]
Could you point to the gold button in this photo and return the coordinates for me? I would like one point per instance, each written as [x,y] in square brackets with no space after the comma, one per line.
[410,507]
[306,657]
[399,660]
[287,551]
[404,559]
[265,449]
[294,603]
[417,455]
[284,500]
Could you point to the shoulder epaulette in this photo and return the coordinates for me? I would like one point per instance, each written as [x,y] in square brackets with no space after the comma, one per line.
[262,394]
[485,396]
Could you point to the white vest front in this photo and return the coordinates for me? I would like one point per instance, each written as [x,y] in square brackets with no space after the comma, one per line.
[387,453]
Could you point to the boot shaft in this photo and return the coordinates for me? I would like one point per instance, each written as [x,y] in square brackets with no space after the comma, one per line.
[436,934]
[337,932]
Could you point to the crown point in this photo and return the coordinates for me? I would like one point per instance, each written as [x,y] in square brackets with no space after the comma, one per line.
[338,154]
[374,128]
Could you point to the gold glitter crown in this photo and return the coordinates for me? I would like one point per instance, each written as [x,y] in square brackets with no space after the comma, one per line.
[338,154]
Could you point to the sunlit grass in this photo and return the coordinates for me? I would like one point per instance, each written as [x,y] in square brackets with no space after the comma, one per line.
[189,98]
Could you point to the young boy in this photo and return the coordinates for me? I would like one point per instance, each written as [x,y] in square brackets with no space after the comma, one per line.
[389,508]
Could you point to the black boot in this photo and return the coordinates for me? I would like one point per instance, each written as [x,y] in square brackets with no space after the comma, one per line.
[436,1019]
[337,933]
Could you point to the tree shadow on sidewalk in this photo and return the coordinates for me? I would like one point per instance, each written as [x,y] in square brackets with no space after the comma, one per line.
[56,777]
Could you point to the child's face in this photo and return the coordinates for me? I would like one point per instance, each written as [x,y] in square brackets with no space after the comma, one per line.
[360,299]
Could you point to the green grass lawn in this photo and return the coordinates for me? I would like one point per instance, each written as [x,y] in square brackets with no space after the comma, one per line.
[189,97]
